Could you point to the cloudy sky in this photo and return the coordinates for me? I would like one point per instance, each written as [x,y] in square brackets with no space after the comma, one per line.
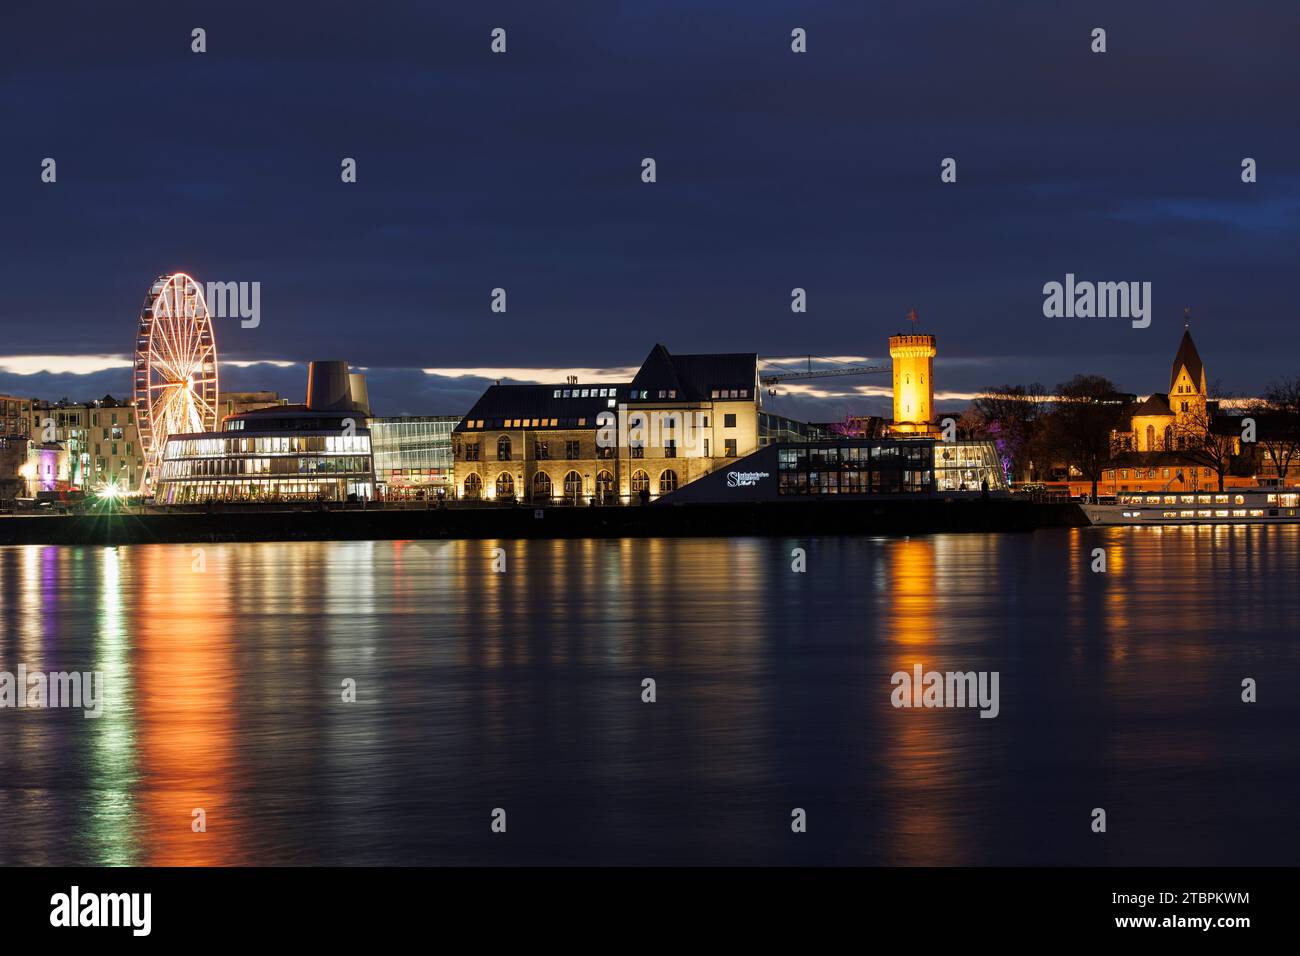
[775,170]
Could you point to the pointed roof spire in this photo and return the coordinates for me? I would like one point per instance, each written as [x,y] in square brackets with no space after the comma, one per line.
[1190,359]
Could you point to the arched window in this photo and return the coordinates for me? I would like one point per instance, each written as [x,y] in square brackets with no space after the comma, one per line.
[1151,438]
[667,481]
[573,485]
[473,486]
[541,486]
[1169,438]
[503,448]
[604,486]
[505,485]
[640,482]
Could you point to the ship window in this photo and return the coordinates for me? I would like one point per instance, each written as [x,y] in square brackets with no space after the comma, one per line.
[1239,512]
[1239,500]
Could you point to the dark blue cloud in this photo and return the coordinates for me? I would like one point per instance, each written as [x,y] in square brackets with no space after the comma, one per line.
[775,171]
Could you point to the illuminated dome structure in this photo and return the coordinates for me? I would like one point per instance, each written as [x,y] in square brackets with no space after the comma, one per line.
[175,367]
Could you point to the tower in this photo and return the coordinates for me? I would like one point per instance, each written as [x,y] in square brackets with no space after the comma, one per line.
[1187,391]
[913,359]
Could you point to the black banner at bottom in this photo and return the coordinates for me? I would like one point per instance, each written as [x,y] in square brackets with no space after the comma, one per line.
[536,905]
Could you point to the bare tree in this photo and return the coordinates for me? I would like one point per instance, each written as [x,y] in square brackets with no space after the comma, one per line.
[1205,442]
[1277,424]
[1012,416]
[1086,410]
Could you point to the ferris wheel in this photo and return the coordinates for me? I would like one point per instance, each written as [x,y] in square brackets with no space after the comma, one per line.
[175,367]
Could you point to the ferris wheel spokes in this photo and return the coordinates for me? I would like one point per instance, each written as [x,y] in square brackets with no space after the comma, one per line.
[175,366]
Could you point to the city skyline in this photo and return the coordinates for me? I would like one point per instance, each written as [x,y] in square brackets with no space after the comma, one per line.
[477,171]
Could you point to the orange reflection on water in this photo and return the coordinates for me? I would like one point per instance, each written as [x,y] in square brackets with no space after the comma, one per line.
[925,752]
[184,683]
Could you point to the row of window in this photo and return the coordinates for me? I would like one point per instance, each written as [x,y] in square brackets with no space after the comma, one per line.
[902,481]
[544,488]
[113,449]
[1288,500]
[470,451]
[854,457]
[1109,474]
[266,490]
[585,393]
[268,445]
[220,467]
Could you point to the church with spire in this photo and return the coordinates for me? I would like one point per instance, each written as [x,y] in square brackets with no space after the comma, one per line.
[1166,420]
[1161,442]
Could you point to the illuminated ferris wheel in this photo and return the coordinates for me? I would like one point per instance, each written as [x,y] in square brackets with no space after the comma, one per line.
[175,367]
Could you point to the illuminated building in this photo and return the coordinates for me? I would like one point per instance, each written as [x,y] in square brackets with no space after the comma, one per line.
[413,454]
[680,418]
[1153,449]
[1165,420]
[14,468]
[913,360]
[101,440]
[317,451]
[236,403]
[14,414]
[854,467]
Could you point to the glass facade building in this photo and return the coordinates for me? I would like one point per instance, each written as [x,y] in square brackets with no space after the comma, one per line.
[413,454]
[905,466]
[286,453]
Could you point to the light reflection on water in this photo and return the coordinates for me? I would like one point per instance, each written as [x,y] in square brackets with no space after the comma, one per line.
[522,690]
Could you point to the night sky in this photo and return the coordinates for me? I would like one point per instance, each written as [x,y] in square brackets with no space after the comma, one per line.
[775,170]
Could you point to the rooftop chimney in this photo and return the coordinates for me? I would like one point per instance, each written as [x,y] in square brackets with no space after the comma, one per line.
[327,387]
[360,394]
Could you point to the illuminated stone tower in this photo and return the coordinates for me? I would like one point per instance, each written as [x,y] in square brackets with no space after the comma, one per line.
[913,358]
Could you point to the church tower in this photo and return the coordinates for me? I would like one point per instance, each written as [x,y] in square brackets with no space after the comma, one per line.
[1187,392]
[913,359]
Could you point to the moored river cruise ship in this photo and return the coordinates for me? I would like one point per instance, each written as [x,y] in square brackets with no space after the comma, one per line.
[1236,506]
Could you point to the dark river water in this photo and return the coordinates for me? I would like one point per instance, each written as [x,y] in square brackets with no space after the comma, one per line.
[521,690]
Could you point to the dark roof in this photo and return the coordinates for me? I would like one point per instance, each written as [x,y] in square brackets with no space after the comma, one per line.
[293,418]
[1187,356]
[693,377]
[502,402]
[690,377]
[1157,404]
[272,410]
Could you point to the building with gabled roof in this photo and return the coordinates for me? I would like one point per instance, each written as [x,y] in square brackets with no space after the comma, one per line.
[679,417]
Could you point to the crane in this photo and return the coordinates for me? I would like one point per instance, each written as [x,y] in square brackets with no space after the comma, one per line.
[786,376]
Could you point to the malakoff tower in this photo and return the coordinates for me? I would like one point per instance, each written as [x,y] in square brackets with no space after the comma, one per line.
[913,359]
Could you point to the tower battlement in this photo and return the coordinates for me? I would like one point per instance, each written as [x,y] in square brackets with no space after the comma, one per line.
[913,359]
[912,346]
